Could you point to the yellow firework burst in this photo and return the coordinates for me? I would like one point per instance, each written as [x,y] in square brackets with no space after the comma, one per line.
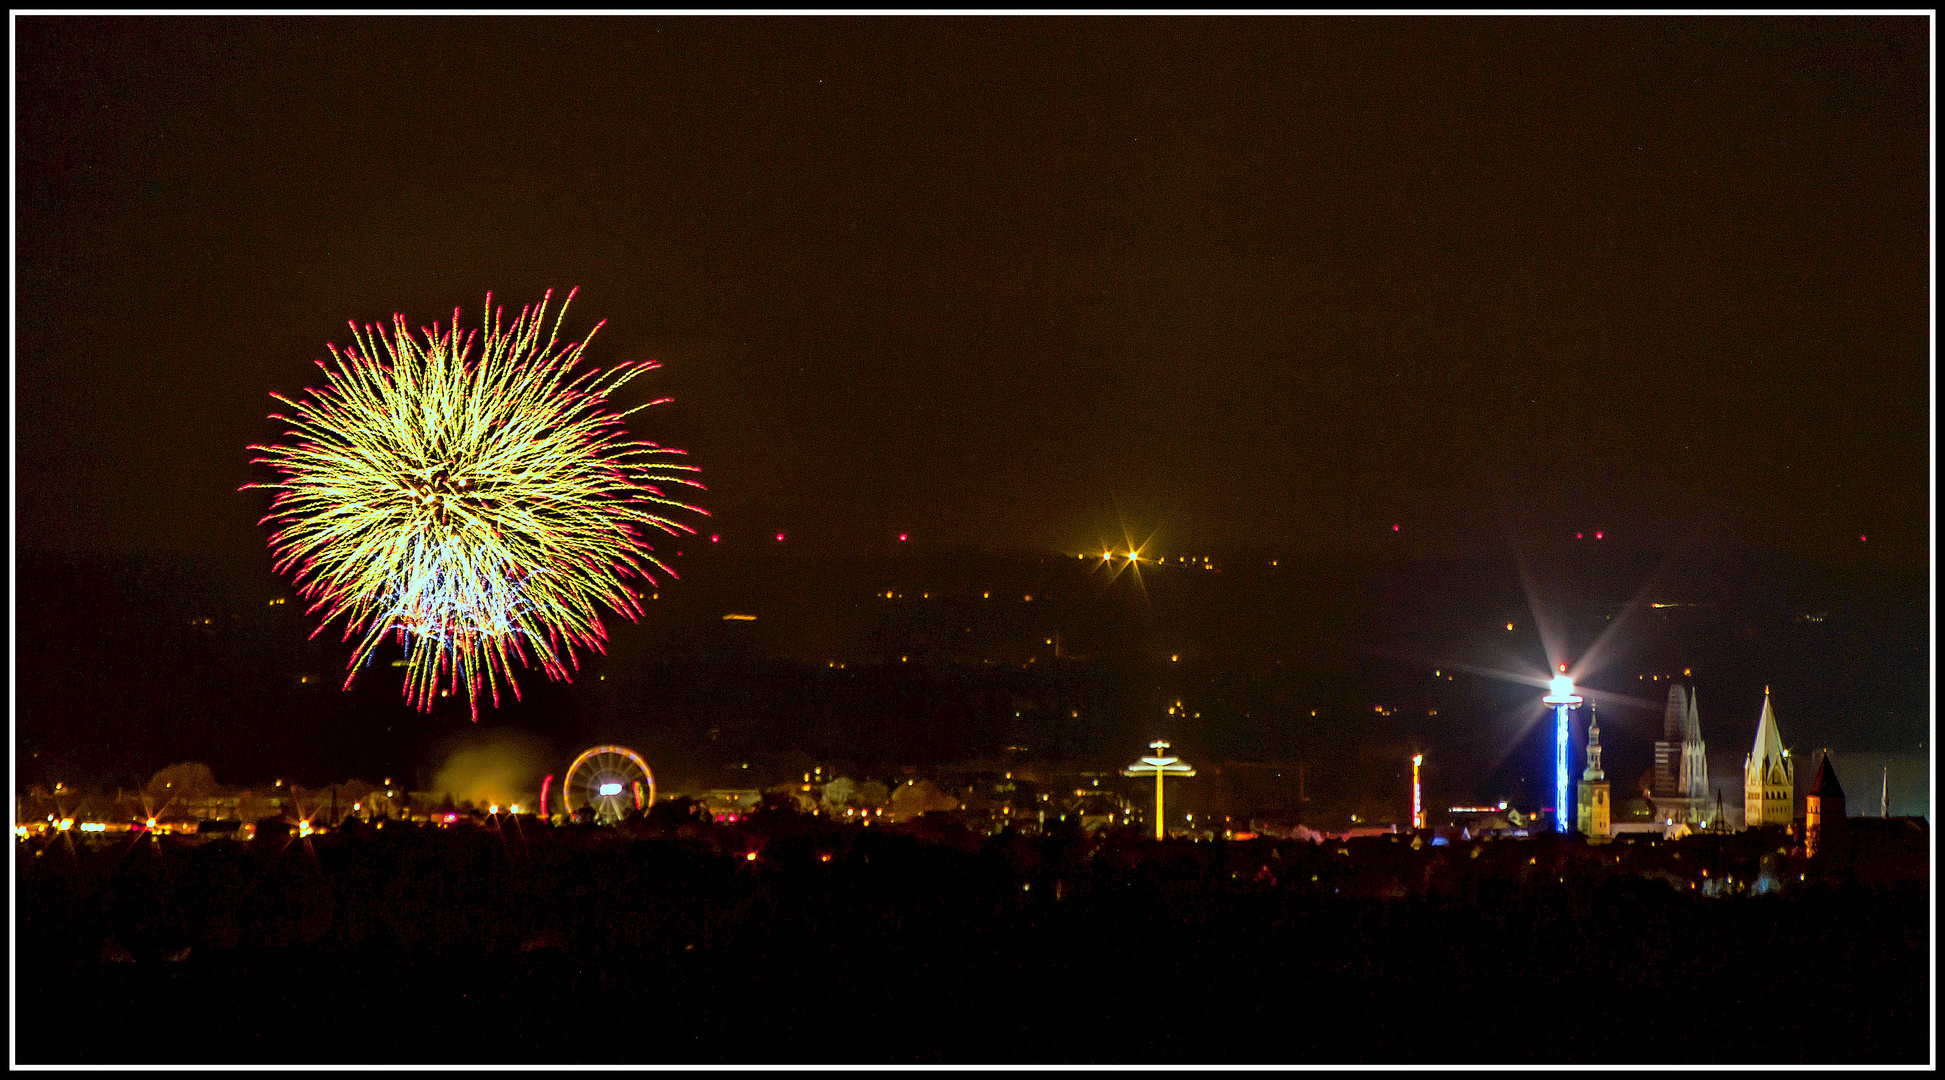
[483,510]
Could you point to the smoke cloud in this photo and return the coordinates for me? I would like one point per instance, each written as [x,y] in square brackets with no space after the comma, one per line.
[501,767]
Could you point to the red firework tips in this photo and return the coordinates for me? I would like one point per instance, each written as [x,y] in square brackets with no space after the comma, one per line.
[394,501]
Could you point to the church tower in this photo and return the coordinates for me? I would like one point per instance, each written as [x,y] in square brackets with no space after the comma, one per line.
[1668,748]
[1695,765]
[1768,775]
[1823,815]
[1594,814]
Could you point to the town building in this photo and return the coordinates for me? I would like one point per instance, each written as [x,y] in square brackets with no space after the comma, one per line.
[1668,749]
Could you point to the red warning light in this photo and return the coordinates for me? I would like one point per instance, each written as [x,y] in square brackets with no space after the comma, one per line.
[1577,536]
[1394,528]
[902,537]
[1598,534]
[779,538]
[715,538]
[1861,538]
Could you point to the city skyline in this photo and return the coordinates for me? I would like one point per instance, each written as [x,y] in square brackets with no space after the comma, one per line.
[1628,306]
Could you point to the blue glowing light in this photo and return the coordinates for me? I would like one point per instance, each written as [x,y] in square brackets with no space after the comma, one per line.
[1562,698]
[1560,767]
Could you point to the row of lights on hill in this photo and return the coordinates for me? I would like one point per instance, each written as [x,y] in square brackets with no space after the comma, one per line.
[780,537]
[890,594]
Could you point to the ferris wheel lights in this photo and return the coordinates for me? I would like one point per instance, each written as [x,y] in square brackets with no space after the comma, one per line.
[600,782]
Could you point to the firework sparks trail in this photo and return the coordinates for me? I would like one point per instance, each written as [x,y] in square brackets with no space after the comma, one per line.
[481,510]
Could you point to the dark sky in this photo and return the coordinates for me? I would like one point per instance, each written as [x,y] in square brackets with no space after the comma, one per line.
[1276,284]
[1017,282]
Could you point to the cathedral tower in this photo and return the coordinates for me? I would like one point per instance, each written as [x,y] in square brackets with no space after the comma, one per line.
[1595,814]
[1695,765]
[1768,775]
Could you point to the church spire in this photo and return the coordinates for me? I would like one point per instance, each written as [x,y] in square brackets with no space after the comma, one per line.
[1593,771]
[1695,762]
[1768,749]
[1769,776]
[1674,714]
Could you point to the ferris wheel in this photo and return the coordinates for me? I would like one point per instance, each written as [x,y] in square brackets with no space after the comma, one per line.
[610,781]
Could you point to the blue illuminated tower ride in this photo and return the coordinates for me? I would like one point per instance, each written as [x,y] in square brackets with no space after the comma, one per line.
[1563,699]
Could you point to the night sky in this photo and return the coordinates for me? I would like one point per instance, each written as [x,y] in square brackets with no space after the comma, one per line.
[1020,283]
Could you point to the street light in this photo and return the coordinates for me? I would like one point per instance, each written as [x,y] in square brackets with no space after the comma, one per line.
[1563,699]
[1160,765]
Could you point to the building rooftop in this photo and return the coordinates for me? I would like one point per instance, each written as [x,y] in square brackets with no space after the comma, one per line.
[1825,786]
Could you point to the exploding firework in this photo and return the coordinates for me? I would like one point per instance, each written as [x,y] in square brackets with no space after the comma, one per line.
[481,510]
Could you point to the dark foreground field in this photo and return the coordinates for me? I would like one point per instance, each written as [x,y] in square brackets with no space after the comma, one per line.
[543,945]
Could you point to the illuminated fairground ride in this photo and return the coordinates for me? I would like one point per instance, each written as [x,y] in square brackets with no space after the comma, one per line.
[608,781]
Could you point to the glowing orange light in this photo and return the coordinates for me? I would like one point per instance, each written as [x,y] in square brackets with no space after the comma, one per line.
[750,857]
[1417,806]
